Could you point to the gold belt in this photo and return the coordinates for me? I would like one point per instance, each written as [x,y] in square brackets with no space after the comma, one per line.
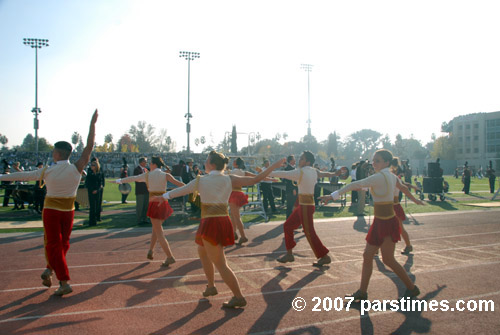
[306,199]
[237,189]
[384,210]
[213,210]
[396,200]
[60,203]
[155,194]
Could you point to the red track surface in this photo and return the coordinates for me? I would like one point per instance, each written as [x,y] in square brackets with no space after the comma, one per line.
[117,291]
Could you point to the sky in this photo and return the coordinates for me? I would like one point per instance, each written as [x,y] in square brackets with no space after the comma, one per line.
[397,67]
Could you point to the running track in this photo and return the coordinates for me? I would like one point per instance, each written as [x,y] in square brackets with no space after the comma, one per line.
[118,291]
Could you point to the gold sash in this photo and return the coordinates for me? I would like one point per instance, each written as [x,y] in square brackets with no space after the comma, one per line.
[384,210]
[64,204]
[306,199]
[155,194]
[396,200]
[213,210]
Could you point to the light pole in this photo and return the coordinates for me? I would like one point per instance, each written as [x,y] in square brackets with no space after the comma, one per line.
[36,43]
[189,56]
[308,68]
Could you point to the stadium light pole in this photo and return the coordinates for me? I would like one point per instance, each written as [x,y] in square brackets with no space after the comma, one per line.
[189,56]
[308,68]
[36,43]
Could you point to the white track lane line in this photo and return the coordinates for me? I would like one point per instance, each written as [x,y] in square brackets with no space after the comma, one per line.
[34,317]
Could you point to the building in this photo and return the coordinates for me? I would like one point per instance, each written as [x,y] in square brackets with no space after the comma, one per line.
[476,138]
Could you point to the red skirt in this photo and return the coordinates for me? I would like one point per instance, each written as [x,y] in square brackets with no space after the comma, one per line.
[238,198]
[400,213]
[381,228]
[216,230]
[159,210]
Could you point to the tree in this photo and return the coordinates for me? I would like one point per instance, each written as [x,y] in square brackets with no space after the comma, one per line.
[165,143]
[399,147]
[310,143]
[3,139]
[268,147]
[406,148]
[234,146]
[80,146]
[29,144]
[108,138]
[108,143]
[125,143]
[386,143]
[332,146]
[75,138]
[143,135]
[365,142]
[443,148]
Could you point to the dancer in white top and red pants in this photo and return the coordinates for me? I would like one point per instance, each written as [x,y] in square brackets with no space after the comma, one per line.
[216,230]
[62,180]
[385,230]
[306,177]
[158,211]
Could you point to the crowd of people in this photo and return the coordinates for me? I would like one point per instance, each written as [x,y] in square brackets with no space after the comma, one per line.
[217,193]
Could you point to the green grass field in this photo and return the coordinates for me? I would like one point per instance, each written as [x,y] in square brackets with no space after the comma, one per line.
[117,215]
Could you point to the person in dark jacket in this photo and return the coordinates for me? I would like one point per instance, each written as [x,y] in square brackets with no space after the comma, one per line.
[290,187]
[141,193]
[93,185]
[40,191]
[490,173]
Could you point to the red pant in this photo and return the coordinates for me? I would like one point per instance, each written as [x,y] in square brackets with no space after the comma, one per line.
[302,215]
[57,229]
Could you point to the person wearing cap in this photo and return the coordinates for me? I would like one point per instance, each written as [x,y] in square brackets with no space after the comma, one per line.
[62,180]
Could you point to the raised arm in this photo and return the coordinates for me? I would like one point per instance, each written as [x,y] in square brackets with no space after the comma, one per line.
[238,181]
[85,157]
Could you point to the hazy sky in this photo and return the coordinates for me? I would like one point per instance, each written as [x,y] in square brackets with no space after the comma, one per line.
[391,66]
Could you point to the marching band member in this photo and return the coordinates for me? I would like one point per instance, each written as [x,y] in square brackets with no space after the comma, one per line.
[385,230]
[238,199]
[216,230]
[158,211]
[62,180]
[398,209]
[306,177]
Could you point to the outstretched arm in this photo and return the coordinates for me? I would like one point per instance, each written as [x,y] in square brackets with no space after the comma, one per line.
[137,178]
[407,192]
[85,157]
[174,181]
[238,181]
